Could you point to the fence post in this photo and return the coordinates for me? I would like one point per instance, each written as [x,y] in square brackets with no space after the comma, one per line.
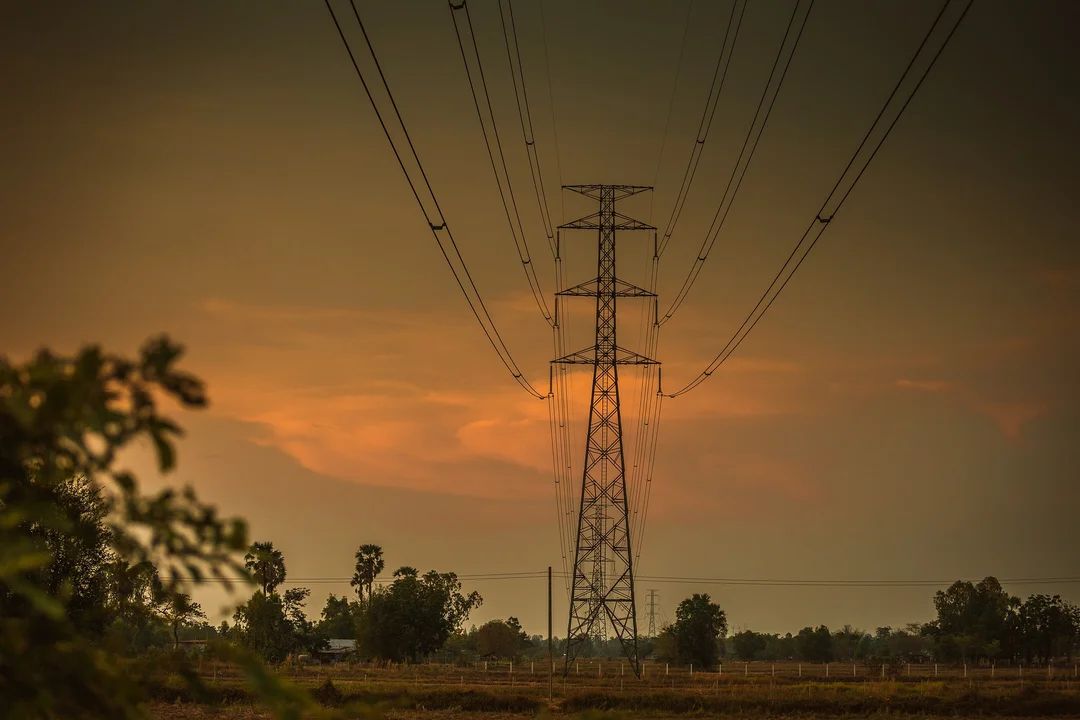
[883,670]
[935,669]
[774,670]
[991,671]
[852,669]
[720,670]
[691,669]
[746,669]
[800,669]
[667,668]
[826,669]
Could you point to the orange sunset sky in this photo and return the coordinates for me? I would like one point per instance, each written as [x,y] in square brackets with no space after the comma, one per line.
[908,409]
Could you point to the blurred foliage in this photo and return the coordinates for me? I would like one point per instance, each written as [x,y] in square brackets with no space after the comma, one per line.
[83,552]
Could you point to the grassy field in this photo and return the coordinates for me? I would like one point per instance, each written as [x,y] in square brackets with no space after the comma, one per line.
[433,691]
[611,674]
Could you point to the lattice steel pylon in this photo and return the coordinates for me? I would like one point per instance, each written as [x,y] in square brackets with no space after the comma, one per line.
[652,614]
[602,590]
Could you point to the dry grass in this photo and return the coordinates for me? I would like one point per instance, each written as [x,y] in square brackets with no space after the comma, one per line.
[444,691]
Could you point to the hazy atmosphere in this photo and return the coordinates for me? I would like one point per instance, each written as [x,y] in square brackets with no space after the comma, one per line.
[908,410]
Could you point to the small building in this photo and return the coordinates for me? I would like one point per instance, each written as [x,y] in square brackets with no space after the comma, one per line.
[339,649]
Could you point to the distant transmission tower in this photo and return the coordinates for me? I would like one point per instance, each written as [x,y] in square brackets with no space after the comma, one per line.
[652,613]
[602,593]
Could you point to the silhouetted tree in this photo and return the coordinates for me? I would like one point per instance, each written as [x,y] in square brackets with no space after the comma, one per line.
[369,563]
[1047,627]
[748,644]
[179,610]
[497,639]
[699,625]
[339,617]
[266,565]
[414,616]
[814,644]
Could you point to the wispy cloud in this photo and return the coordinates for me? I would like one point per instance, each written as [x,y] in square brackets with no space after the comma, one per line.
[925,385]
[402,417]
[1011,417]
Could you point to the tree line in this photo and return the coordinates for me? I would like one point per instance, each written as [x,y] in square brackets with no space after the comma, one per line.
[975,623]
[414,615]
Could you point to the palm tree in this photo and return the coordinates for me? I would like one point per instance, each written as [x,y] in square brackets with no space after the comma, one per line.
[369,563]
[266,564]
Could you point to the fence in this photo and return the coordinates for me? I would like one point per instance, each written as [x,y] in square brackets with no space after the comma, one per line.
[614,675]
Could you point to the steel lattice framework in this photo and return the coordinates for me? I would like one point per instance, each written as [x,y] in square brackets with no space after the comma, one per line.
[602,592]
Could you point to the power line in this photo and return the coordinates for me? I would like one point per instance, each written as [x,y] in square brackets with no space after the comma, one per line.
[849,583]
[707,115]
[757,582]
[390,580]
[551,104]
[518,232]
[671,102]
[646,437]
[557,385]
[463,276]
[647,456]
[823,219]
[721,211]
[562,386]
[525,116]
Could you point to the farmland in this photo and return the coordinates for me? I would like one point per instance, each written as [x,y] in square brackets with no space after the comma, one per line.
[743,689]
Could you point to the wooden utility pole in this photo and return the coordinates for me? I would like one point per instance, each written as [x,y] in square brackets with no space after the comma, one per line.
[551,647]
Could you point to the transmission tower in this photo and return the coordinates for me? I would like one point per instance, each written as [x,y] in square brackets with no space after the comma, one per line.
[602,592]
[652,613]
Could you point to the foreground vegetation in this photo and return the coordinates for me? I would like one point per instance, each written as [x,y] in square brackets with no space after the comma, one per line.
[706,695]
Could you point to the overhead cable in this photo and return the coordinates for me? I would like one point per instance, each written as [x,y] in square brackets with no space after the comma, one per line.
[517,76]
[692,580]
[730,192]
[460,270]
[671,101]
[510,205]
[825,215]
[717,86]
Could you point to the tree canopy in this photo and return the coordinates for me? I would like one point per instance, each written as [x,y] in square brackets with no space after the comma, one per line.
[414,616]
[266,564]
[369,563]
[699,625]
